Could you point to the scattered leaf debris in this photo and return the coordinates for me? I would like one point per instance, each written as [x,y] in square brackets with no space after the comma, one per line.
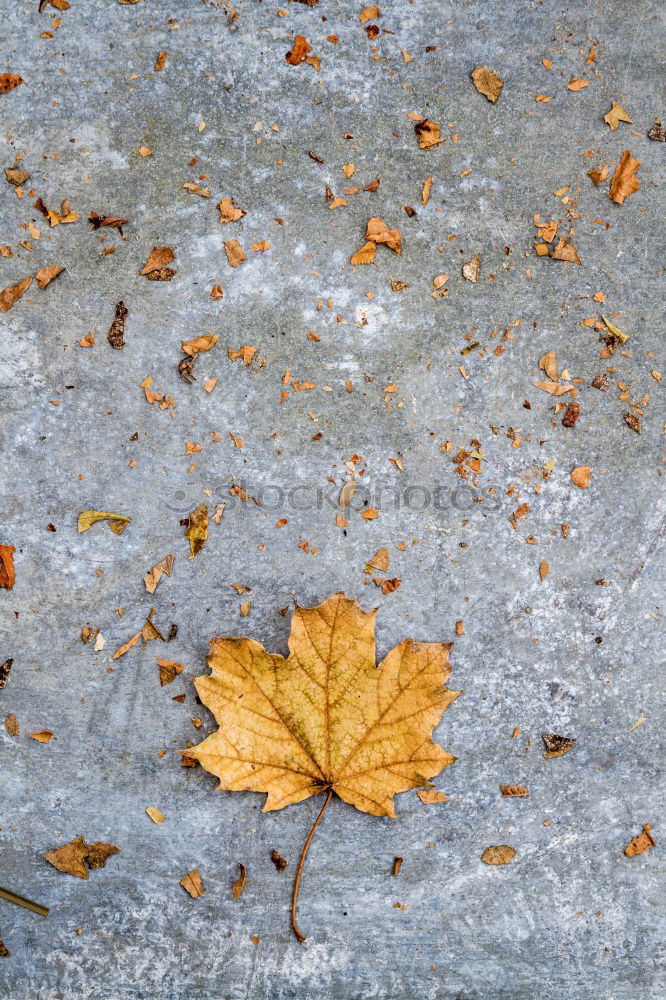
[640,844]
[501,855]
[556,746]
[77,857]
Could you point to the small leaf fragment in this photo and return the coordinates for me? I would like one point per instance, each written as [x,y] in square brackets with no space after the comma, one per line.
[117,522]
[514,791]
[640,844]
[544,569]
[8,296]
[624,181]
[7,572]
[238,888]
[616,115]
[556,746]
[580,477]
[5,670]
[471,269]
[197,529]
[431,796]
[46,275]
[279,862]
[487,82]
[193,884]
[155,814]
[155,573]
[501,855]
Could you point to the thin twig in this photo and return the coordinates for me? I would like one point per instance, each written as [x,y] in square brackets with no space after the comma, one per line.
[297,881]
[14,897]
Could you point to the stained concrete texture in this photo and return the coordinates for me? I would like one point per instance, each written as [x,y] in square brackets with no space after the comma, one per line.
[571,916]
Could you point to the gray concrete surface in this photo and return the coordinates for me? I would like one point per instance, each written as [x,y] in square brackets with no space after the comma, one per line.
[571,916]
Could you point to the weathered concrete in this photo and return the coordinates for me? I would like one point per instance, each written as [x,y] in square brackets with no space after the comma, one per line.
[571,917]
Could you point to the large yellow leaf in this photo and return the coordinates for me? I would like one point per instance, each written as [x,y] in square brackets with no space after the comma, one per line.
[326,717]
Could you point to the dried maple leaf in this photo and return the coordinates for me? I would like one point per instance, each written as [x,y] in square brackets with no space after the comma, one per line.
[624,181]
[77,857]
[8,81]
[616,115]
[7,574]
[487,82]
[117,522]
[326,719]
[640,844]
[8,296]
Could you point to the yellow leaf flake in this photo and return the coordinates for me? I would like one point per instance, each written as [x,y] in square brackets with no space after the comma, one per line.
[117,522]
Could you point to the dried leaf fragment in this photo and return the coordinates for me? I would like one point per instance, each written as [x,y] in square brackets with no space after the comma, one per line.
[378,232]
[640,844]
[16,176]
[577,84]
[193,188]
[616,115]
[515,791]
[238,888]
[235,253]
[277,859]
[7,572]
[155,573]
[197,529]
[365,255]
[8,296]
[107,221]
[438,289]
[77,857]
[117,522]
[624,181]
[46,275]
[199,345]
[229,211]
[428,134]
[116,334]
[487,82]
[5,669]
[193,883]
[155,814]
[11,725]
[431,797]
[169,670]
[44,737]
[501,855]
[556,746]
[471,269]
[565,251]
[580,477]
[8,81]
[298,51]
[158,259]
[544,569]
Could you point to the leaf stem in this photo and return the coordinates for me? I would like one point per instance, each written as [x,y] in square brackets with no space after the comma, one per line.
[297,881]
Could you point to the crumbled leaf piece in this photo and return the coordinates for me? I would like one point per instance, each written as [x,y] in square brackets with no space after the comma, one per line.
[117,522]
[556,746]
[624,181]
[8,81]
[487,82]
[299,51]
[160,61]
[553,388]
[378,232]
[428,134]
[77,857]
[199,345]
[657,133]
[169,670]
[155,573]
[633,421]
[107,221]
[229,212]
[11,725]
[616,115]
[116,334]
[279,862]
[193,883]
[397,865]
[98,854]
[235,253]
[8,296]
[438,289]
[193,188]
[615,330]
[197,529]
[155,814]
[158,259]
[127,646]
[597,176]
[471,269]
[640,844]
[548,364]
[369,14]
[244,354]
[381,561]
[565,251]
[515,791]
[16,176]
[501,855]
[365,255]
[44,737]
[238,888]
[571,415]
[425,190]
[580,477]
[544,569]
[46,275]
[7,573]
[4,950]
[577,84]
[431,797]
[5,669]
